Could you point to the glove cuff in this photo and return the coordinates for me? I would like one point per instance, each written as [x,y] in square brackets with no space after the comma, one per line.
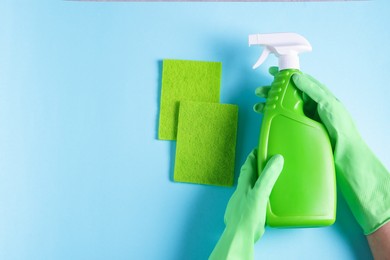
[235,243]
[364,182]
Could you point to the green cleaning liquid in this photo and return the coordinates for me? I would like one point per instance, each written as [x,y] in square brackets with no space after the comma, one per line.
[305,193]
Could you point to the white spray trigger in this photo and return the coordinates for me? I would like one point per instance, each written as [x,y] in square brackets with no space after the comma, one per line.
[263,57]
[286,46]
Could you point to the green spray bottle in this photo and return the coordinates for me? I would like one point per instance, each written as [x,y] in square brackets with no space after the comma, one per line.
[305,193]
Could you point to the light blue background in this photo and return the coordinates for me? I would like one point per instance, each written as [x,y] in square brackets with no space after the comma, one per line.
[82,175]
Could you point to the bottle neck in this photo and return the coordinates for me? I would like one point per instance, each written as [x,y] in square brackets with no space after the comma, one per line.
[290,61]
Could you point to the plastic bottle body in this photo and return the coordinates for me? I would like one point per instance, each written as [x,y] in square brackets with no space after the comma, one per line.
[305,193]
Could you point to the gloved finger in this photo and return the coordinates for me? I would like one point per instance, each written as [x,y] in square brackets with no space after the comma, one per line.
[311,87]
[262,91]
[259,107]
[268,176]
[248,173]
[273,70]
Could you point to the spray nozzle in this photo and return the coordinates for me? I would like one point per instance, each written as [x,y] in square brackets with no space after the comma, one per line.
[286,46]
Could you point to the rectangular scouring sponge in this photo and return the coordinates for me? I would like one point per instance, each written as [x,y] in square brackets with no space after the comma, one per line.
[185,80]
[206,143]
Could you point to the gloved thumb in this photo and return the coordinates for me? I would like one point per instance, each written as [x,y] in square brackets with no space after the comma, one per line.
[268,176]
[311,87]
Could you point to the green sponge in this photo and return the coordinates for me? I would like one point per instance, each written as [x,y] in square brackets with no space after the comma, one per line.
[206,143]
[185,80]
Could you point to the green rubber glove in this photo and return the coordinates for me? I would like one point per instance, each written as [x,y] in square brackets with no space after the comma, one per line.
[361,177]
[245,212]
[263,92]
